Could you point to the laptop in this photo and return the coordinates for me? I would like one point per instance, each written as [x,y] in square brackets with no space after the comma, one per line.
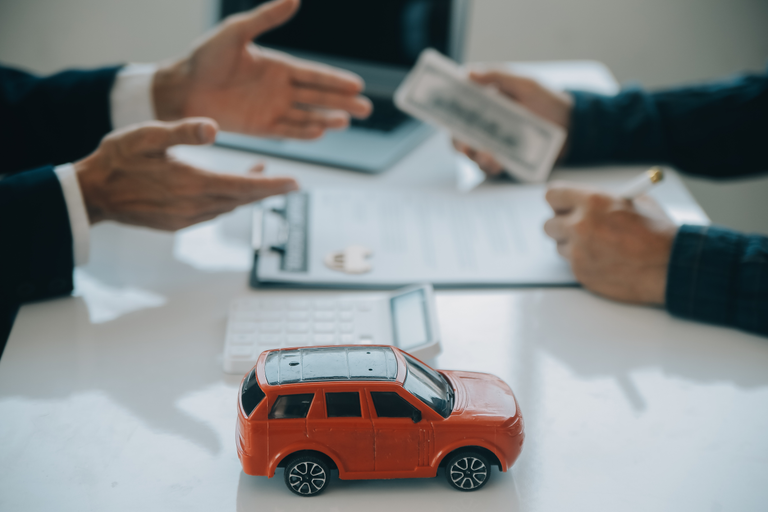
[379,40]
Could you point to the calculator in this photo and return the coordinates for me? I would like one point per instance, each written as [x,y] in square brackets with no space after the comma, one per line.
[404,318]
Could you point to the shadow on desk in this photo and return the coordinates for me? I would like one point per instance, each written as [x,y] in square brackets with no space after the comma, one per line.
[501,493]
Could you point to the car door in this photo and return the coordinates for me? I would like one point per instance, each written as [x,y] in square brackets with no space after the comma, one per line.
[398,437]
[344,426]
[288,420]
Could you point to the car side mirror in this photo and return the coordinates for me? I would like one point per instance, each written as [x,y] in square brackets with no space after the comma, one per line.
[416,416]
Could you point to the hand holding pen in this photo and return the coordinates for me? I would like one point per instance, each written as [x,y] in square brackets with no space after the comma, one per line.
[618,245]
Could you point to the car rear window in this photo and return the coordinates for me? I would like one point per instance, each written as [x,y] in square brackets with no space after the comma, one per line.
[343,405]
[251,395]
[291,406]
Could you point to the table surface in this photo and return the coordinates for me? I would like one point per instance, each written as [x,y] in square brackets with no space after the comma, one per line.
[114,399]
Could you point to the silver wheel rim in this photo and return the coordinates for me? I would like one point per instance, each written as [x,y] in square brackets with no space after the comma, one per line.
[468,473]
[307,478]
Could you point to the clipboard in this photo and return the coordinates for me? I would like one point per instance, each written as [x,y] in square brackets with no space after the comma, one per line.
[490,238]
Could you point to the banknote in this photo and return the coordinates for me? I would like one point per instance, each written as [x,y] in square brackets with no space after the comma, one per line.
[438,92]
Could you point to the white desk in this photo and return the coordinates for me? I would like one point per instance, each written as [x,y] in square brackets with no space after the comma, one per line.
[115,399]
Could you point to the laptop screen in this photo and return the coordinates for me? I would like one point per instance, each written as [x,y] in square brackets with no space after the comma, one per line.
[392,32]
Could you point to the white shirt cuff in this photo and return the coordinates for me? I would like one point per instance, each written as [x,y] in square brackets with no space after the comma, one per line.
[78,216]
[131,97]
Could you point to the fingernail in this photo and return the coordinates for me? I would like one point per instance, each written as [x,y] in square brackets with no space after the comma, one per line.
[204,132]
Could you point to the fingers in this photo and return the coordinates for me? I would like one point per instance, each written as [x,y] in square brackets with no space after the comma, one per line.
[156,137]
[513,85]
[358,106]
[329,118]
[564,197]
[310,74]
[263,18]
[246,189]
[484,160]
[488,164]
[290,130]
[556,228]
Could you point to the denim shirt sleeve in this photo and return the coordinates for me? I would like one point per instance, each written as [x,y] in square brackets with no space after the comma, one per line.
[717,130]
[720,276]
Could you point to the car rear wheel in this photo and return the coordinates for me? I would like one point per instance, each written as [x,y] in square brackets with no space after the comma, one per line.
[467,471]
[307,475]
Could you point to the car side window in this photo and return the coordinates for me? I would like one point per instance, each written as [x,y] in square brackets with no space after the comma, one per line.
[343,405]
[291,406]
[391,405]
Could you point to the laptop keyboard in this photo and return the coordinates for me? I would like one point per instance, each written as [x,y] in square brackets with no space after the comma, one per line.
[385,117]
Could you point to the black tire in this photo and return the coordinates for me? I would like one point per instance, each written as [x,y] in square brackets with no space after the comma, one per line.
[467,471]
[307,475]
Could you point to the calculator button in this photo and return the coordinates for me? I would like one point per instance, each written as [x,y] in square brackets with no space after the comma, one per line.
[298,315]
[297,339]
[240,351]
[242,339]
[324,327]
[243,326]
[271,305]
[298,305]
[346,316]
[346,305]
[270,327]
[324,338]
[346,327]
[270,339]
[298,327]
[325,304]
[244,305]
[270,315]
[325,315]
[347,338]
[244,315]
[364,305]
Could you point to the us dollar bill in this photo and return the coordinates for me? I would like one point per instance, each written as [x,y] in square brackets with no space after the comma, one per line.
[437,91]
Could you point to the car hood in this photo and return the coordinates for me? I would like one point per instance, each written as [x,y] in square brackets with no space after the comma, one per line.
[482,397]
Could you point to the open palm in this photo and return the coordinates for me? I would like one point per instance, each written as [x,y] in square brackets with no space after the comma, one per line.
[253,90]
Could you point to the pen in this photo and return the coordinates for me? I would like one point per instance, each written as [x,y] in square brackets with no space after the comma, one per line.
[642,183]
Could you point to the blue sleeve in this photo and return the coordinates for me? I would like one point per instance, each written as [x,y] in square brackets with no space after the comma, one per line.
[36,259]
[720,276]
[52,120]
[716,130]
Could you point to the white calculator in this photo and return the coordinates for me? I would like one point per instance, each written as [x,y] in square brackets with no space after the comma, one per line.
[404,318]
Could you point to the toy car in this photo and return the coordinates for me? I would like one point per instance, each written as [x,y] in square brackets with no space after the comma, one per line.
[372,412]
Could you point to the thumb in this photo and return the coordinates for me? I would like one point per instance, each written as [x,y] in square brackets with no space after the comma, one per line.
[266,17]
[508,83]
[154,137]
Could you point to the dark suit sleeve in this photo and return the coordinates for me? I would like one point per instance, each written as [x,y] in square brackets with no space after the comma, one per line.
[36,259]
[720,276]
[717,130]
[52,120]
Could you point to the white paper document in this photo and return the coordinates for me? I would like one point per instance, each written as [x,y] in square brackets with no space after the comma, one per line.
[490,237]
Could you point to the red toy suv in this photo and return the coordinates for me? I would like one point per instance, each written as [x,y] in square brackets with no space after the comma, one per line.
[372,412]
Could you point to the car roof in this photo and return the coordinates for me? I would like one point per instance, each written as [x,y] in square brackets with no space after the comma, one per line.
[330,364]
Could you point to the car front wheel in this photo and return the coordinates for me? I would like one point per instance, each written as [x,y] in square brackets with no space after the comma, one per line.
[468,471]
[307,475]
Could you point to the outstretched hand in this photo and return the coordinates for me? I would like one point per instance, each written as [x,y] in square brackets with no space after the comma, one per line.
[256,91]
[131,178]
[553,106]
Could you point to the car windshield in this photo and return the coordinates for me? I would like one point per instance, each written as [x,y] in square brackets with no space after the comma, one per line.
[429,386]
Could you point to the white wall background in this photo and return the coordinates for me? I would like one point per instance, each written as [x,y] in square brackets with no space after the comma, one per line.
[653,42]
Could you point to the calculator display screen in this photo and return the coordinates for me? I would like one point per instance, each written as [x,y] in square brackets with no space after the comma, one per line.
[410,323]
